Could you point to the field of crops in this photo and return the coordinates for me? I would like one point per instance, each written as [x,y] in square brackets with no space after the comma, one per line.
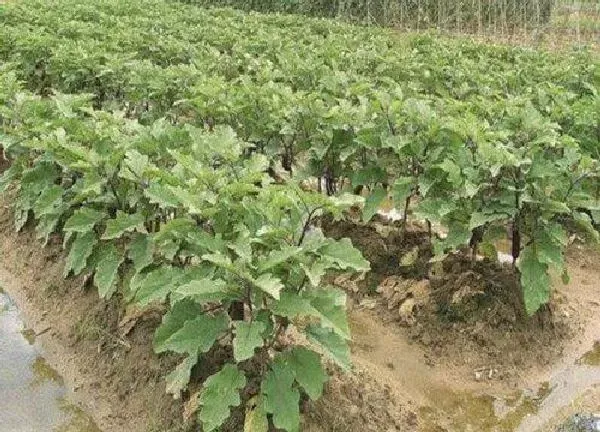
[186,157]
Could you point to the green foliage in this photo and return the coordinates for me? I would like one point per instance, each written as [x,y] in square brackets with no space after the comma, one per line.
[168,143]
[220,392]
[229,266]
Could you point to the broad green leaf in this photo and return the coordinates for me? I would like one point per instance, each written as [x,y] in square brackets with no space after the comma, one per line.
[402,189]
[534,280]
[345,255]
[205,241]
[479,219]
[248,337]
[458,235]
[269,284]
[219,260]
[315,272]
[206,290]
[161,195]
[308,370]
[584,223]
[107,269]
[266,318]
[8,176]
[157,285]
[173,321]
[373,203]
[83,220]
[292,305]
[141,251]
[281,398]
[333,344]
[331,307]
[178,228]
[220,392]
[453,171]
[81,249]
[548,251]
[277,257]
[557,233]
[256,417]
[48,201]
[197,335]
[134,165]
[179,378]
[123,223]
[368,175]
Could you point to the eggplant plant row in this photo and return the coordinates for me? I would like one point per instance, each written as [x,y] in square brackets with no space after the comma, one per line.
[167,144]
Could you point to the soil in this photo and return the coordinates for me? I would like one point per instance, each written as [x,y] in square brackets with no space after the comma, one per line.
[384,245]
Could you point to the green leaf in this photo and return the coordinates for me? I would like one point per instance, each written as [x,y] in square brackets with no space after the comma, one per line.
[281,398]
[141,251]
[453,171]
[48,201]
[157,285]
[479,219]
[331,307]
[534,280]
[8,176]
[277,257]
[248,337]
[291,305]
[83,220]
[403,188]
[219,260]
[179,378]
[220,392]
[256,417]
[123,223]
[81,249]
[308,370]
[173,321]
[266,317]
[206,290]
[196,336]
[557,233]
[107,269]
[161,195]
[549,252]
[373,203]
[332,343]
[315,272]
[584,223]
[345,255]
[269,284]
